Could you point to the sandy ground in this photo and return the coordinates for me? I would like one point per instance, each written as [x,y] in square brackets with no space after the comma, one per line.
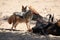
[44,7]
[21,33]
[25,36]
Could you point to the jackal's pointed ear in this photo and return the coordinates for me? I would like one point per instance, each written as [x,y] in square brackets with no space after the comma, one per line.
[25,7]
[22,7]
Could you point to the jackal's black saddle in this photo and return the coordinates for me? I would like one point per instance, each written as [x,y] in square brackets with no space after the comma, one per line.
[20,14]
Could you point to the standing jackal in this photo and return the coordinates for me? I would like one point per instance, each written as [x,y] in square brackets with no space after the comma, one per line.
[17,17]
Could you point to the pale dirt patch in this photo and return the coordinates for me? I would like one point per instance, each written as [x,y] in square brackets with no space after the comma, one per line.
[7,7]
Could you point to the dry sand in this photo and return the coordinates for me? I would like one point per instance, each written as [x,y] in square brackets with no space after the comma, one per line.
[44,7]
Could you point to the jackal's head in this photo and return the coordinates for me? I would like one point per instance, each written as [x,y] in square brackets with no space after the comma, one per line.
[24,8]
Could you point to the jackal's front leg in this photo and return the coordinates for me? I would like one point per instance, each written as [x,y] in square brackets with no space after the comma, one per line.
[28,25]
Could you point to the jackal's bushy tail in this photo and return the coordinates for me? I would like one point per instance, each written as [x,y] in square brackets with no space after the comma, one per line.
[11,19]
